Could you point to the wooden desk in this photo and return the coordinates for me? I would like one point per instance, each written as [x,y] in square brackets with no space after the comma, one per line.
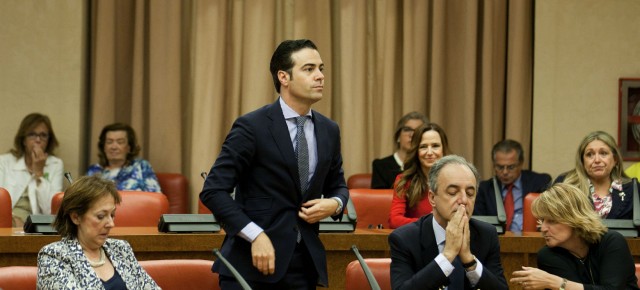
[17,248]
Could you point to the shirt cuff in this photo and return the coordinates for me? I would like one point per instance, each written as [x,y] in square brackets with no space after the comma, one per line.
[340,205]
[474,276]
[250,232]
[445,265]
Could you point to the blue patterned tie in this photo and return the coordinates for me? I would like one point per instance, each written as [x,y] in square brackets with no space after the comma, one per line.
[302,153]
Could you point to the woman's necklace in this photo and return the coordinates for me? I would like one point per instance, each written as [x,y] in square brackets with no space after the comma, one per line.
[100,262]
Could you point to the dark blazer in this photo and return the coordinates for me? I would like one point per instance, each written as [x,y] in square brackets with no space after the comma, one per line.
[257,159]
[620,209]
[609,264]
[486,198]
[414,248]
[384,173]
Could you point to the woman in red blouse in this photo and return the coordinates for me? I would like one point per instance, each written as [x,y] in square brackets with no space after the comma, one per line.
[428,144]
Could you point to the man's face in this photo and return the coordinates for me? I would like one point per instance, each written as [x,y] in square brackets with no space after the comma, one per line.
[507,166]
[306,81]
[456,186]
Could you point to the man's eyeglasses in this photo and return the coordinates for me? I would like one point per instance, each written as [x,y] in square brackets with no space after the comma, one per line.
[511,167]
[34,135]
[407,129]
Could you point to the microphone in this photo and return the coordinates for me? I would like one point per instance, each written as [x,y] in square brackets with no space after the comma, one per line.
[367,272]
[243,283]
[67,175]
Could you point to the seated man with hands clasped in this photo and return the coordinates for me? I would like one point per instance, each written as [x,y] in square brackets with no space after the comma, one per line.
[447,248]
[581,253]
[86,258]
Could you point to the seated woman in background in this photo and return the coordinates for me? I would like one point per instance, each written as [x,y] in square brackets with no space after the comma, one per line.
[30,172]
[118,147]
[580,251]
[386,170]
[86,258]
[599,175]
[410,202]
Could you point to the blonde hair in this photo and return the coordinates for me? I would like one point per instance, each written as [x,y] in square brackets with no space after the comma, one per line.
[566,204]
[578,176]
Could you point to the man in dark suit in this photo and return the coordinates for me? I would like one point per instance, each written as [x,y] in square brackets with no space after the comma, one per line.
[513,182]
[281,190]
[447,248]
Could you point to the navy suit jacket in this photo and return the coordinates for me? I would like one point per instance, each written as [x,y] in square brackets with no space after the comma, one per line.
[385,171]
[258,160]
[620,208]
[486,198]
[413,250]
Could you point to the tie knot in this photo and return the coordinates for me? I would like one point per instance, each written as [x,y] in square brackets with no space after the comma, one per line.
[301,120]
[510,186]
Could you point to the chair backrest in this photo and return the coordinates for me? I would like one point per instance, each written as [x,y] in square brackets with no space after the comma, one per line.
[176,187]
[6,219]
[372,206]
[202,209]
[182,274]
[18,277]
[380,267]
[638,274]
[137,209]
[529,223]
[359,180]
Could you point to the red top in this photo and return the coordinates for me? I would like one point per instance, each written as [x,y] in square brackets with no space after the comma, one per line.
[401,215]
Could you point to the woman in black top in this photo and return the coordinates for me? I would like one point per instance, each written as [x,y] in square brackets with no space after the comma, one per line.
[581,253]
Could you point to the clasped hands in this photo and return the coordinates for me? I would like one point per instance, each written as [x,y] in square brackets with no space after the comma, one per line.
[262,251]
[458,238]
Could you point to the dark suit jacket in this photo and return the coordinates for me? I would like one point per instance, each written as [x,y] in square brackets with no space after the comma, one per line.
[486,198]
[384,173]
[620,209]
[257,159]
[414,248]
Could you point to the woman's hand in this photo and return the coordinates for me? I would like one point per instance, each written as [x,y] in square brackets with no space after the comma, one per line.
[534,278]
[38,160]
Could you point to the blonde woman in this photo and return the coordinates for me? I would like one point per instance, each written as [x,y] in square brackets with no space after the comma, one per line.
[580,252]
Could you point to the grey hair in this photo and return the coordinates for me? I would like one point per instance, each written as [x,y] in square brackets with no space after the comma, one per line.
[444,161]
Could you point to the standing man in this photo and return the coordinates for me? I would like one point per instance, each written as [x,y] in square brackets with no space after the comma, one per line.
[285,163]
[513,182]
[447,248]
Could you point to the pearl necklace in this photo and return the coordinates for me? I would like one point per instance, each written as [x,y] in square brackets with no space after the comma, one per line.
[100,262]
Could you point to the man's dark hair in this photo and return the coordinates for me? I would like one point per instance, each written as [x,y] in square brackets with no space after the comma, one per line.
[281,59]
[506,146]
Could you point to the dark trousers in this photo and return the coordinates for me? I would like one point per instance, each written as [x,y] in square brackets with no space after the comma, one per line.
[301,275]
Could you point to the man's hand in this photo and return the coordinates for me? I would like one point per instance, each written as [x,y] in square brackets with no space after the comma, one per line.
[454,236]
[263,254]
[314,210]
[465,250]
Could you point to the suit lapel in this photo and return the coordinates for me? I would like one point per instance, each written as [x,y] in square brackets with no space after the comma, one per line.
[428,241]
[280,133]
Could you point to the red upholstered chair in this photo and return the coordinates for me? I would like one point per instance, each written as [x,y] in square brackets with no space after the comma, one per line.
[202,209]
[137,209]
[176,187]
[638,274]
[359,180]
[372,206]
[6,219]
[18,277]
[182,274]
[529,223]
[380,267]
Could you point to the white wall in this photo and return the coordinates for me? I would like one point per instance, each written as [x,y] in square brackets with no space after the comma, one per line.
[41,70]
[581,49]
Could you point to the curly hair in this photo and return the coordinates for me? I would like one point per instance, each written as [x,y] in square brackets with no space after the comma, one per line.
[134,148]
[413,174]
[566,204]
[79,198]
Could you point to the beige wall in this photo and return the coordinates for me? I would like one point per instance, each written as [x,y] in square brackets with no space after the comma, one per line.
[581,49]
[41,70]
